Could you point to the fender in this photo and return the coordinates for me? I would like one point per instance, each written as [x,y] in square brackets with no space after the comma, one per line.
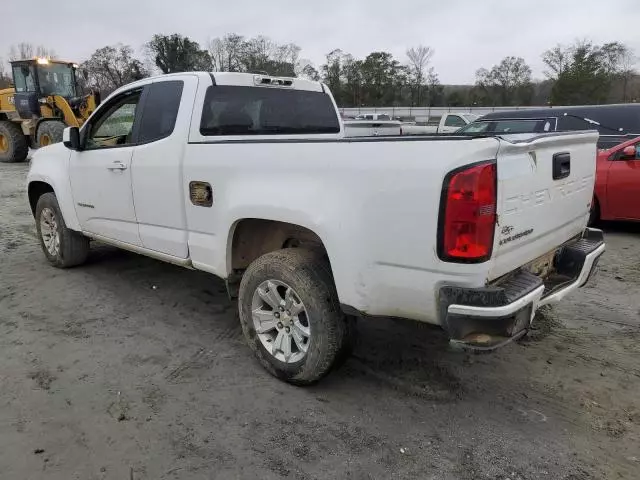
[268,203]
[51,165]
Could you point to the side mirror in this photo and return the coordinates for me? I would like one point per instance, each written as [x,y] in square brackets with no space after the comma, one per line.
[629,152]
[85,74]
[71,138]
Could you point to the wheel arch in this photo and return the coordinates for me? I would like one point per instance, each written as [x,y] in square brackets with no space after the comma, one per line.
[44,178]
[35,190]
[250,238]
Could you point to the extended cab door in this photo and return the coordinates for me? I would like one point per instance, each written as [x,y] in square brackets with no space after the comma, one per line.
[623,185]
[158,190]
[100,174]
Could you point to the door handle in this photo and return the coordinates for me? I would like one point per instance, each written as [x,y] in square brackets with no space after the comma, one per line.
[117,166]
[561,165]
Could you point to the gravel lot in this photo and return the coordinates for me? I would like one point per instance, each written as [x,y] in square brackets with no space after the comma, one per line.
[128,368]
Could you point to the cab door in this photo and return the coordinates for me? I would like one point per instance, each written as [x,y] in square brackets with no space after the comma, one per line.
[157,173]
[100,173]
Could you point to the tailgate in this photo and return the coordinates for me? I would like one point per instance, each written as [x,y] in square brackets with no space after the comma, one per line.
[545,188]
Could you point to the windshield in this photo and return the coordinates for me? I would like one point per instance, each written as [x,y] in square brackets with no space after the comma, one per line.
[56,79]
[507,126]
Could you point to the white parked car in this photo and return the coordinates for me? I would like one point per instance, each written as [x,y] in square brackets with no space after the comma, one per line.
[250,178]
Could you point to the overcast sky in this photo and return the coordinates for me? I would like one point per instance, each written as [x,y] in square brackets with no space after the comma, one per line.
[465,34]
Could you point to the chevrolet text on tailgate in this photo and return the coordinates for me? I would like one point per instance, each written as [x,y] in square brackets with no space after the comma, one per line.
[250,178]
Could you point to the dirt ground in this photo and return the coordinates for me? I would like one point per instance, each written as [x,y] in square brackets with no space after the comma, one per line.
[128,368]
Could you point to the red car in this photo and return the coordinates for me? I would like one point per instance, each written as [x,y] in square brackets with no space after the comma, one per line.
[617,189]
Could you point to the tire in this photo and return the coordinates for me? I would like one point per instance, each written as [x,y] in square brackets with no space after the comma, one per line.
[308,276]
[69,248]
[50,132]
[594,214]
[13,144]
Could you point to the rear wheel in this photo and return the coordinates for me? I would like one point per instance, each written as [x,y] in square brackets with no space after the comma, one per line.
[50,132]
[63,247]
[13,143]
[291,317]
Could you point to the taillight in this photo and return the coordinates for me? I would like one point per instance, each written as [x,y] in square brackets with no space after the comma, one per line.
[467,223]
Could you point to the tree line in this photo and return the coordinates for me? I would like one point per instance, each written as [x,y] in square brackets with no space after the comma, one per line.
[581,73]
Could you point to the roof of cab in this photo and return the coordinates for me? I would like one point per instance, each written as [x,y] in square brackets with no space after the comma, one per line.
[232,78]
[264,80]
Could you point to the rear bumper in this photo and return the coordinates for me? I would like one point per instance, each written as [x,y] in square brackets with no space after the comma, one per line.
[486,318]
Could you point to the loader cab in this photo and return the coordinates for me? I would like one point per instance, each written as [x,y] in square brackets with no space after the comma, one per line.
[36,79]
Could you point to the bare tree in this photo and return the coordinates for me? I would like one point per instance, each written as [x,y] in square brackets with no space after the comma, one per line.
[419,58]
[507,82]
[435,89]
[305,68]
[5,79]
[24,50]
[112,66]
[227,53]
[628,64]
[557,59]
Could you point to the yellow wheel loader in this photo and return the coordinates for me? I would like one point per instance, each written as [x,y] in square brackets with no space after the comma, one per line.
[45,98]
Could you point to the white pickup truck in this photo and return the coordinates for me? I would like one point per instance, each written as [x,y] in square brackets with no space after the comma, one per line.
[448,123]
[248,177]
[372,125]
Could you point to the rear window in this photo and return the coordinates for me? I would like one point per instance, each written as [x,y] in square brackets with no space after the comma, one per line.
[235,110]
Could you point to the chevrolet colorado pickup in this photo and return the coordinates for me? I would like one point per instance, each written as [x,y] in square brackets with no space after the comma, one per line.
[250,178]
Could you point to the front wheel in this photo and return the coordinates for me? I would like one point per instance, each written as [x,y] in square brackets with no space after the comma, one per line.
[291,316]
[63,247]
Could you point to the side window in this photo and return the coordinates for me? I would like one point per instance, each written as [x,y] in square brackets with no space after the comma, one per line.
[160,110]
[24,78]
[115,126]
[454,121]
[620,154]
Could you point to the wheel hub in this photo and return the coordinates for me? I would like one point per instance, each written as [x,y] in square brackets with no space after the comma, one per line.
[280,320]
[49,231]
[45,140]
